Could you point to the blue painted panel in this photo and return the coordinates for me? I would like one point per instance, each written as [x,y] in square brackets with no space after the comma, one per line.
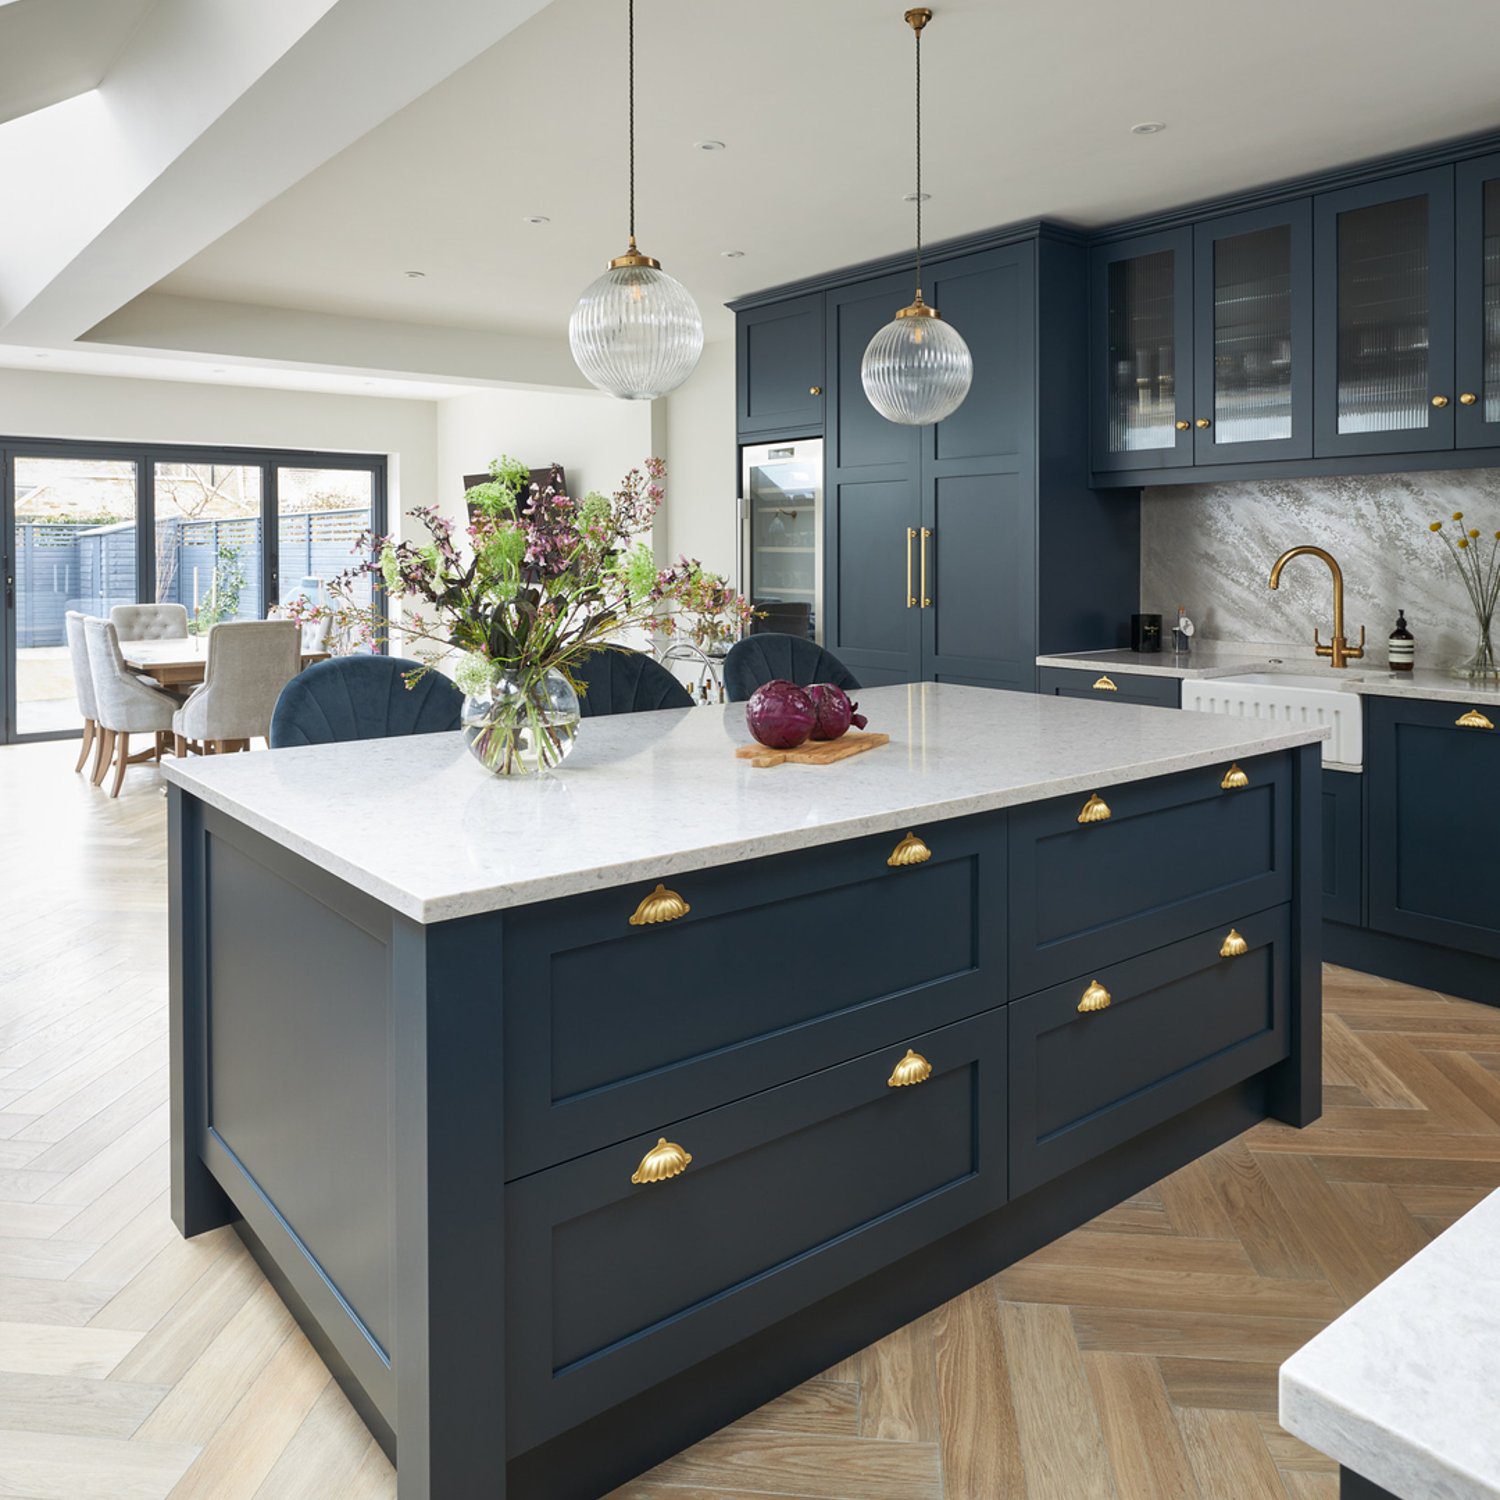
[1066,682]
[780,368]
[1343,847]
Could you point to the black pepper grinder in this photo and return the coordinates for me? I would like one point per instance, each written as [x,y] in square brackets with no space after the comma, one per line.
[1401,650]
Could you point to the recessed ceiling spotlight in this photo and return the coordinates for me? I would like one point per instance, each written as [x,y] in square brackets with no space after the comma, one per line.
[709,145]
[41,356]
[915,197]
[1148,127]
[217,372]
[535,219]
[732,254]
[416,275]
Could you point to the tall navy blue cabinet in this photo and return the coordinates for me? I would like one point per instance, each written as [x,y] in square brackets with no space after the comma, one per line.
[958,551]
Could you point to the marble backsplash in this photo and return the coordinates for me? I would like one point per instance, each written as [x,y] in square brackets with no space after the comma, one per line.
[1210,547]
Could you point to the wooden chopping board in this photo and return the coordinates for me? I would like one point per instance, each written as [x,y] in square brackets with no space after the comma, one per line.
[815,752]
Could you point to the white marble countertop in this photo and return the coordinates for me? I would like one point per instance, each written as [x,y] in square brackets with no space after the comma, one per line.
[1403,1387]
[1219,659]
[419,825]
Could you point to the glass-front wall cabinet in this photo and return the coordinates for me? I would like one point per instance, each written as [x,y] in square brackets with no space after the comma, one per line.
[1385,316]
[1143,352]
[1253,327]
[1477,218]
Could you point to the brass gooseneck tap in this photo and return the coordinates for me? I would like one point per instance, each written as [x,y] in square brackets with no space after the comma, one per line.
[1338,651]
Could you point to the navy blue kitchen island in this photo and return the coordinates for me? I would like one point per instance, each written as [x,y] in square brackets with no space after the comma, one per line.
[575,1118]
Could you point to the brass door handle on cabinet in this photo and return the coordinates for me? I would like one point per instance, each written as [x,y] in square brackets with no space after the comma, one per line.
[1468,399]
[1095,810]
[910,851]
[1439,401]
[1104,685]
[911,536]
[1473,720]
[912,1069]
[1183,424]
[1233,945]
[815,390]
[926,600]
[661,905]
[665,1159]
[1204,422]
[1095,997]
[1234,778]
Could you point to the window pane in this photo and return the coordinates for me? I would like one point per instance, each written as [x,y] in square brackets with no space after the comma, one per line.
[1384,320]
[1142,354]
[208,545]
[1253,336]
[75,549]
[323,513]
[1492,300]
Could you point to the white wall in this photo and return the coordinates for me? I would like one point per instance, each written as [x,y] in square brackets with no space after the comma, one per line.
[594,437]
[701,477]
[109,408]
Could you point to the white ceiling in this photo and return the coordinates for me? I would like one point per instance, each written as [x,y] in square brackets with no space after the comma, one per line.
[1028,113]
[51,50]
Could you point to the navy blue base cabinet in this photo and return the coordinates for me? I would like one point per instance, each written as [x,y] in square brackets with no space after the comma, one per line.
[441,1143]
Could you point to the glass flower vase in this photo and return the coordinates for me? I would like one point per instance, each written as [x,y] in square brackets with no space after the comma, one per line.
[516,725]
[1482,665]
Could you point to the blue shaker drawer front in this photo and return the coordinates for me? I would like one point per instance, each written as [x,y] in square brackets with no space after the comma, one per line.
[790,1195]
[1110,686]
[1094,1062]
[619,1027]
[1173,855]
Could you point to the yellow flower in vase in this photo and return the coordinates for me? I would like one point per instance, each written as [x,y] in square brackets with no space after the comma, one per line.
[1475,533]
[1463,541]
[1438,526]
[1458,515]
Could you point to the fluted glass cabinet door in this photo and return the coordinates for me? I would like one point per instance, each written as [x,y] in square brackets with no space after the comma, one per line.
[1478,327]
[1385,316]
[1253,328]
[1141,317]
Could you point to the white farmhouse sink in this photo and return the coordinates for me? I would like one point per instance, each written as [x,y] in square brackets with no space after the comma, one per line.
[1287,698]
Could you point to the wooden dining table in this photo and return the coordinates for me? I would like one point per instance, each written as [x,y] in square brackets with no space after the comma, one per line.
[180,661]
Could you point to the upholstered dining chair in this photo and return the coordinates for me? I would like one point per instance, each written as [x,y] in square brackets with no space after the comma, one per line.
[150,622]
[363,698]
[249,663]
[83,683]
[768,657]
[627,682]
[124,705]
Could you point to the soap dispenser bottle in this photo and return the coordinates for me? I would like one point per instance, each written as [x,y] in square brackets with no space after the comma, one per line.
[1401,650]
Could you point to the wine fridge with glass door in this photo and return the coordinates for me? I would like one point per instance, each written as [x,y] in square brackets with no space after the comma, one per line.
[781,536]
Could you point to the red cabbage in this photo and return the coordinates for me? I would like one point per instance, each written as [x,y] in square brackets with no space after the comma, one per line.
[780,715]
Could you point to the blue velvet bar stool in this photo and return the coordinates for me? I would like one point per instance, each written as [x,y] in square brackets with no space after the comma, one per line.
[362,698]
[768,657]
[627,682]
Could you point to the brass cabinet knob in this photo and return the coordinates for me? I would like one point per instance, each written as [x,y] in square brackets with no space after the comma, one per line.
[1468,399]
[665,1159]
[913,1068]
[1104,685]
[1234,778]
[1439,401]
[910,851]
[1095,997]
[1183,424]
[1233,946]
[1473,720]
[1095,810]
[661,905]
[815,390]
[1204,422]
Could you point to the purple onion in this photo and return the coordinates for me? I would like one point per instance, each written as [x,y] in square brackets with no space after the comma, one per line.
[780,715]
[835,713]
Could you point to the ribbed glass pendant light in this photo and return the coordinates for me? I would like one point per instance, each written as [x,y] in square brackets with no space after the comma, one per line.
[917,369]
[636,332]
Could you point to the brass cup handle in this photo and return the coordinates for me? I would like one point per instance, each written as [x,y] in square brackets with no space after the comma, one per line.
[1095,810]
[661,905]
[1182,424]
[1095,997]
[1473,720]
[1439,401]
[665,1159]
[1233,946]
[910,851]
[1105,685]
[912,1069]
[1234,778]
[926,536]
[1204,422]
[1468,399]
[911,536]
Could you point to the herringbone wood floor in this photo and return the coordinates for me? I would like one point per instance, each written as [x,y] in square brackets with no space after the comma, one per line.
[1135,1358]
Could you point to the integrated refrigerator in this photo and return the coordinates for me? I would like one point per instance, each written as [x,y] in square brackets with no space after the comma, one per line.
[781,535]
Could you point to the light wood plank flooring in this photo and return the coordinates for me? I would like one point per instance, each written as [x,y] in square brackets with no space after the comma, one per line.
[1135,1358]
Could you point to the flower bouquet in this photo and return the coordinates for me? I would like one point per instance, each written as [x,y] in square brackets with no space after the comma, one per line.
[1479,568]
[701,607]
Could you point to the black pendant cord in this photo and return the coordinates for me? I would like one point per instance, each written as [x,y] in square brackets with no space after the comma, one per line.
[919,162]
[632,123]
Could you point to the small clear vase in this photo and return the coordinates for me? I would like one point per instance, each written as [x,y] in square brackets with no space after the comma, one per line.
[515,726]
[1483,665]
